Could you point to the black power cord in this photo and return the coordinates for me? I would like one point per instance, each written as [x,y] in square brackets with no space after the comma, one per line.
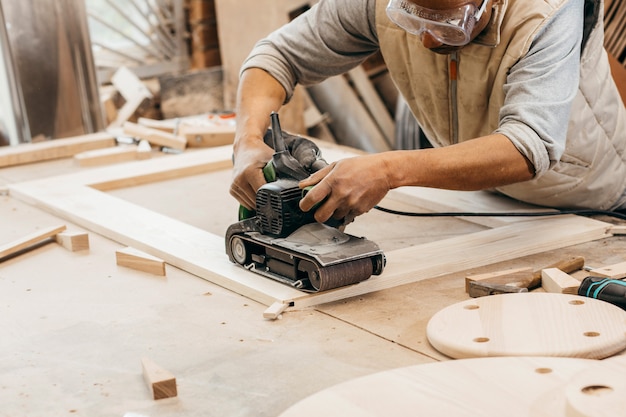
[615,214]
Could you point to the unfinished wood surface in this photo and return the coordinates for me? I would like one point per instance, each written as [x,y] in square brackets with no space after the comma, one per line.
[53,149]
[29,240]
[617,271]
[207,136]
[598,391]
[161,383]
[529,324]
[136,95]
[486,387]
[556,281]
[141,261]
[73,241]
[519,277]
[107,156]
[156,137]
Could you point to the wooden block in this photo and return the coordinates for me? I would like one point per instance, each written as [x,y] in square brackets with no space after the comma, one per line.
[520,277]
[161,383]
[616,271]
[135,92]
[556,281]
[275,310]
[154,136]
[207,135]
[117,154]
[29,240]
[73,241]
[136,259]
[53,149]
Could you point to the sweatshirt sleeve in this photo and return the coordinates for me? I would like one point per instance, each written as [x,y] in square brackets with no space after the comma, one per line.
[329,39]
[541,87]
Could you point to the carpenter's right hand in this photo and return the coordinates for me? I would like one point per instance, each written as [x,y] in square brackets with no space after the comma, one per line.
[248,177]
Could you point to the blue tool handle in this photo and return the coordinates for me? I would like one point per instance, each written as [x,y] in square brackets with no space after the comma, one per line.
[606,289]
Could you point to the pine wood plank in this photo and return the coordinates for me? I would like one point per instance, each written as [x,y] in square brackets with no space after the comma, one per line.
[154,136]
[53,149]
[107,156]
[29,240]
[616,271]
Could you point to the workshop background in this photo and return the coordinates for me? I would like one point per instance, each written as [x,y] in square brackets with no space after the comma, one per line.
[116,294]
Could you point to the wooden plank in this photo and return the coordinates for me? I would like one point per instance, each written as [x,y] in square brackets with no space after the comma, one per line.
[556,281]
[73,241]
[29,240]
[160,382]
[207,136]
[107,156]
[616,271]
[140,261]
[154,136]
[53,149]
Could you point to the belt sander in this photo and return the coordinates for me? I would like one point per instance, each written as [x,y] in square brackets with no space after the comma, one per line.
[280,241]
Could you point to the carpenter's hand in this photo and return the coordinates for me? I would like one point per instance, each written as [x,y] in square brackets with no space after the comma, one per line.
[347,188]
[248,172]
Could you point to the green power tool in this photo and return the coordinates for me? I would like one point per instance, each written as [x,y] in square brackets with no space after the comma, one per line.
[280,241]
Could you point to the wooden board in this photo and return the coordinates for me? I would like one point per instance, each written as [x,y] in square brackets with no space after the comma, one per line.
[53,149]
[530,324]
[79,198]
[486,387]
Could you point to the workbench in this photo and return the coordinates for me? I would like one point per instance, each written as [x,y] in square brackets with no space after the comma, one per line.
[75,325]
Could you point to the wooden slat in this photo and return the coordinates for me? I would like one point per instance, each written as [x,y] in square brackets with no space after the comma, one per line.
[53,149]
[29,240]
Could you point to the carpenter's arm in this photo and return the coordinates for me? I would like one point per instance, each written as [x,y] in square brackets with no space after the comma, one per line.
[258,95]
[351,187]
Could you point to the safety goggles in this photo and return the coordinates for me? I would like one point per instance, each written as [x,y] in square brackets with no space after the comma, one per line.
[451,27]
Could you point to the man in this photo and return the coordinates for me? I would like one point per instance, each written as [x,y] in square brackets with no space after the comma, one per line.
[514,95]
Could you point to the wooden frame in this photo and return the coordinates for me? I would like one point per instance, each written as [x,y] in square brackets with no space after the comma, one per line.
[81,198]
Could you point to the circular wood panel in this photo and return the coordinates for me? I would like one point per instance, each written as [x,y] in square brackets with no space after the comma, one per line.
[529,324]
[485,387]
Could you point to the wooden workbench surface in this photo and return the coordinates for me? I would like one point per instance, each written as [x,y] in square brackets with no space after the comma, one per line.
[75,326]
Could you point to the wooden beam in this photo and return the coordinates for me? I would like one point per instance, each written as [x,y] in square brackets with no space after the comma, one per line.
[154,136]
[12,248]
[53,149]
[616,271]
[161,383]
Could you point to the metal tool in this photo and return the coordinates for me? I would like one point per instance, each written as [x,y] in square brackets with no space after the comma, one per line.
[606,289]
[281,242]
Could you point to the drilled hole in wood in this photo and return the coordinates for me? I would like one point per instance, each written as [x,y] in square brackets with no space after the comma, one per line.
[471,307]
[543,370]
[577,302]
[591,334]
[597,390]
[481,340]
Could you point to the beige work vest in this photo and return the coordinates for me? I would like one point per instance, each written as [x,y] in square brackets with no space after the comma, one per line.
[592,171]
